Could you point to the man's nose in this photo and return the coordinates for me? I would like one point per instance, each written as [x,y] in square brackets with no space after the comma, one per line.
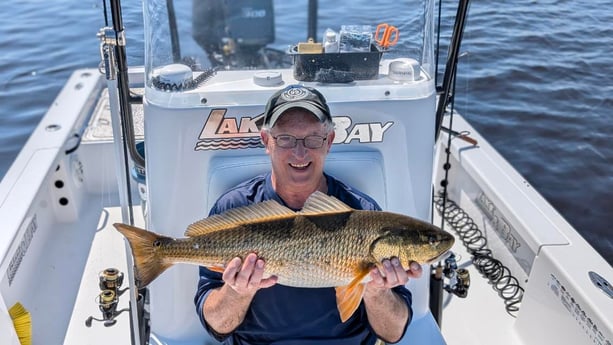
[299,150]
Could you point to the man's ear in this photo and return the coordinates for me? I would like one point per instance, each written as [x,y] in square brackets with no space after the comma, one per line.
[331,136]
[265,137]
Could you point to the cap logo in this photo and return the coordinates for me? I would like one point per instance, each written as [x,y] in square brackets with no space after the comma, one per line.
[294,94]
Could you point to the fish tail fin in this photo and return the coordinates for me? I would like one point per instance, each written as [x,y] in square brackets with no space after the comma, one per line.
[144,244]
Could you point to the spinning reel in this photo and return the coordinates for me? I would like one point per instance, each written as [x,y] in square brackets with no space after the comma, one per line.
[110,283]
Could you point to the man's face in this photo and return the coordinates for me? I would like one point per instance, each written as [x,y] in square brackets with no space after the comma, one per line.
[299,166]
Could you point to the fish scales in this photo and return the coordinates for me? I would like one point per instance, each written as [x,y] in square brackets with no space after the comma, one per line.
[298,251]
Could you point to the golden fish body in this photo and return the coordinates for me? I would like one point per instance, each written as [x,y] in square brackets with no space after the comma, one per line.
[326,244]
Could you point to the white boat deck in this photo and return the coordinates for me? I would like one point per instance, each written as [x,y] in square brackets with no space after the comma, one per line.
[545,253]
[481,317]
[108,250]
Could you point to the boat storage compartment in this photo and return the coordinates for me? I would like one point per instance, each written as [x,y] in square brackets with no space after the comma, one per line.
[350,65]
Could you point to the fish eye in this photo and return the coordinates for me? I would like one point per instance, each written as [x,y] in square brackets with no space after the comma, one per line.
[433,240]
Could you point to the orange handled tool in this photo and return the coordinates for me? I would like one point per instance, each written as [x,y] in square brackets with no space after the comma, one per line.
[386,35]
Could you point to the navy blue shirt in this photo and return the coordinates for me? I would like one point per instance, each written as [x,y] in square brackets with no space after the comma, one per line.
[288,315]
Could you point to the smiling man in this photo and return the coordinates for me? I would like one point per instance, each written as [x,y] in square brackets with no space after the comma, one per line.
[240,306]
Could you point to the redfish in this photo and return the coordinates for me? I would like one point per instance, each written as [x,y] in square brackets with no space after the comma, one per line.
[326,244]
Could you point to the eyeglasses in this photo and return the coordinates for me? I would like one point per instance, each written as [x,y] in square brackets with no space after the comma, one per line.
[287,141]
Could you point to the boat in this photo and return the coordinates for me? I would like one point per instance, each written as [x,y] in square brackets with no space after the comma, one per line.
[155,145]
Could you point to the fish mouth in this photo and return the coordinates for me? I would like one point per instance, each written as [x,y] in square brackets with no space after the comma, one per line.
[444,255]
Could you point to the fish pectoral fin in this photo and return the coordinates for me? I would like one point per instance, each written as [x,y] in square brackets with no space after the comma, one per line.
[348,297]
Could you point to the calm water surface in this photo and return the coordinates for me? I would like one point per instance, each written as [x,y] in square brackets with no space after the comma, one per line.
[537,81]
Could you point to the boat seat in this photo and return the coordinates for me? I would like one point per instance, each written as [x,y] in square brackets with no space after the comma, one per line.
[348,167]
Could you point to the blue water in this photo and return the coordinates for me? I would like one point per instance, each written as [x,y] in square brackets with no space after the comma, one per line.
[536,80]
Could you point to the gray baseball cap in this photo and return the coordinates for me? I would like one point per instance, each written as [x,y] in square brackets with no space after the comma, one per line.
[296,96]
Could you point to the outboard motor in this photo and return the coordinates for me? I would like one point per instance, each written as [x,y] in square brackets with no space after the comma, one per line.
[233,33]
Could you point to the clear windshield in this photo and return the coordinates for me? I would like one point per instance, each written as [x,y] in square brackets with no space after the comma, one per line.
[266,34]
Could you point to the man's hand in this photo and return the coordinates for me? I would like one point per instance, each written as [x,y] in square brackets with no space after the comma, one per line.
[393,274]
[246,278]
[225,308]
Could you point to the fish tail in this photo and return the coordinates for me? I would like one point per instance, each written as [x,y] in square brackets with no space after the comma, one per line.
[148,263]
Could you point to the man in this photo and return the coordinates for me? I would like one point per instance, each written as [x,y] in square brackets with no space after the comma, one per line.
[240,306]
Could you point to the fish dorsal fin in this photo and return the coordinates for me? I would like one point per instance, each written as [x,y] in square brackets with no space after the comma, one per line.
[262,211]
[319,203]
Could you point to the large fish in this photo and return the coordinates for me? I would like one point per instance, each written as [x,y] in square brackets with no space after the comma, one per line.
[326,244]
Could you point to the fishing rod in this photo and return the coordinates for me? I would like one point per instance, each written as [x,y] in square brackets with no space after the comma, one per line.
[451,65]
[113,54]
[122,83]
[438,273]
[312,20]
[174,31]
[112,42]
